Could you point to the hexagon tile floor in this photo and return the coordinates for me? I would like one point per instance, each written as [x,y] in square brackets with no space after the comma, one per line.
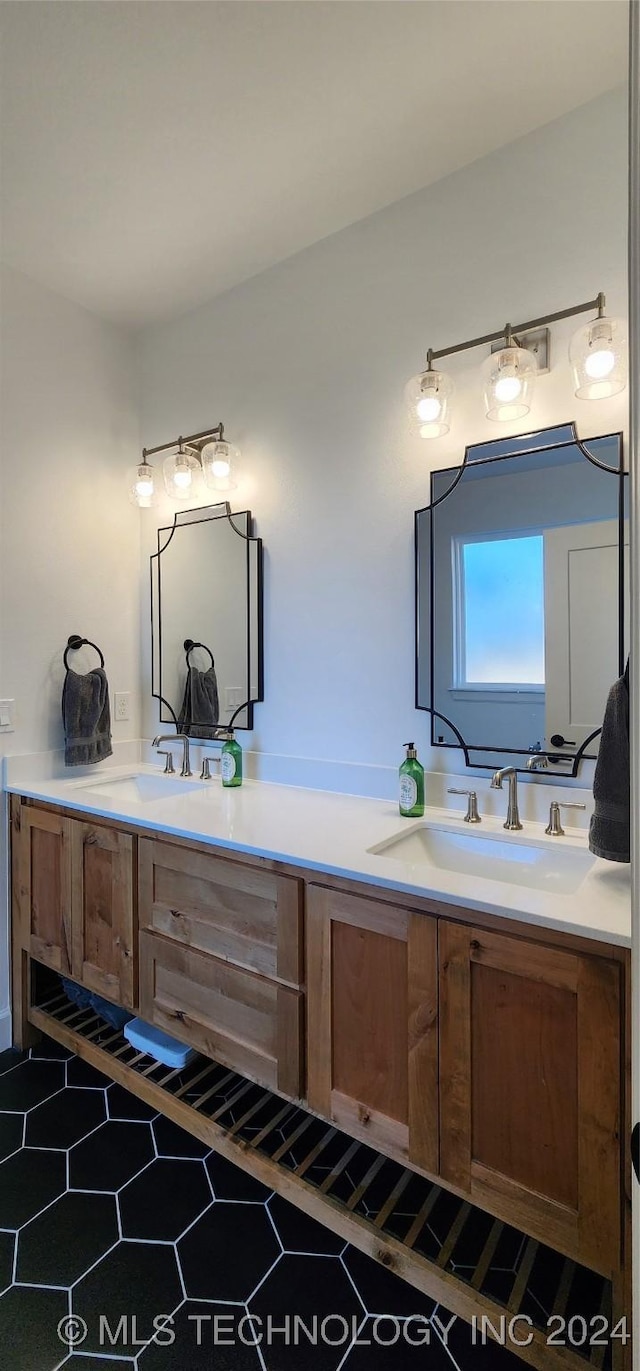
[110,1215]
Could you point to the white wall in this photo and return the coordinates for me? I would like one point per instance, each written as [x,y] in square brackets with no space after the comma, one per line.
[306,364]
[69,540]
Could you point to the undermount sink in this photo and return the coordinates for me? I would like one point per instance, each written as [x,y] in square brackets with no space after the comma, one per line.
[140,786]
[536,866]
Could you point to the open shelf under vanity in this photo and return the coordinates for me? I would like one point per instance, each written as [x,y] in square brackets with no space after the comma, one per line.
[477,1266]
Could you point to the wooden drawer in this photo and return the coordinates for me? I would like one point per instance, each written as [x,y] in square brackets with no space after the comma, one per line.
[241,914]
[242,1020]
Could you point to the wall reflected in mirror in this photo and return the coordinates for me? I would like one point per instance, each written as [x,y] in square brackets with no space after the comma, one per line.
[206,597]
[521,610]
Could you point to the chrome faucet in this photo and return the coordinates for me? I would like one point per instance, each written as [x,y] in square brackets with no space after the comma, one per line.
[539,762]
[176,738]
[513,817]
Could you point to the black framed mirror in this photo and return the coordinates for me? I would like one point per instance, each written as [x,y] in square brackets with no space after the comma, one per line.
[207,621]
[521,567]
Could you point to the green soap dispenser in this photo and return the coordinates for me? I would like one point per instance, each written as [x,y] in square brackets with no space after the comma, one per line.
[411,785]
[231,760]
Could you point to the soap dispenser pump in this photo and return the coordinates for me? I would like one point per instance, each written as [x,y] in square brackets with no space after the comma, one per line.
[411,785]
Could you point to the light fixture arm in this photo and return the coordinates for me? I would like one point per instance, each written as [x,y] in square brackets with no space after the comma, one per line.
[510,333]
[217,432]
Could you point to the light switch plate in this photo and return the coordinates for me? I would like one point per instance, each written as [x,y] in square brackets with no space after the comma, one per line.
[233,697]
[7,716]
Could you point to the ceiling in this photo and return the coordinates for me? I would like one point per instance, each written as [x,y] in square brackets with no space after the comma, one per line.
[155,154]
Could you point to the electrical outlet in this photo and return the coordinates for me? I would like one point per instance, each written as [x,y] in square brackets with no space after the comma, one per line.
[121,705]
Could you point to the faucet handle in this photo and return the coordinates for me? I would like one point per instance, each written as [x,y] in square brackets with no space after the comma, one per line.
[554,827]
[168,766]
[208,758]
[471,816]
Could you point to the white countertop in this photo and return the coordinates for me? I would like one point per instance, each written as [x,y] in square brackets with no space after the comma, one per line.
[332,834]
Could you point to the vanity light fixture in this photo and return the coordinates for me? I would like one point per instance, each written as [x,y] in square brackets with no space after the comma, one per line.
[181,473]
[428,395]
[597,355]
[219,464]
[201,456]
[141,480]
[509,378]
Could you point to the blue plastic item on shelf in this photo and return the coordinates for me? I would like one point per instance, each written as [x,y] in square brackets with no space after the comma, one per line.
[157,1044]
[76,993]
[113,1013]
[87,999]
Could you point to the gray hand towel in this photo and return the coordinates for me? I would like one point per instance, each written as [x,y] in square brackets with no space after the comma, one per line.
[86,717]
[610,826]
[200,710]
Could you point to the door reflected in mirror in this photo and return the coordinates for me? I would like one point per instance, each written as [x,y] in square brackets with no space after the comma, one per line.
[521,611]
[206,596]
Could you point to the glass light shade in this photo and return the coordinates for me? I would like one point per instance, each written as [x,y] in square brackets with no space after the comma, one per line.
[598,356]
[509,377]
[220,465]
[181,475]
[428,397]
[142,483]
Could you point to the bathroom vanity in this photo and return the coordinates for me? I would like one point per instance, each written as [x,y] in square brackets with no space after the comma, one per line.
[437,1034]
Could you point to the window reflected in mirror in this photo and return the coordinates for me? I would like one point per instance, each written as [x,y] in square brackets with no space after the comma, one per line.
[499,609]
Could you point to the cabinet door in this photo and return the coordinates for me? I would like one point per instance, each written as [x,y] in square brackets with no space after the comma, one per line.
[104,944]
[372,1022]
[244,1021]
[42,885]
[530,1087]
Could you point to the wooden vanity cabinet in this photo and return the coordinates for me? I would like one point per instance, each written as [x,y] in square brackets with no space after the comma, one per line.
[372,1022]
[531,1089]
[73,889]
[488,1055]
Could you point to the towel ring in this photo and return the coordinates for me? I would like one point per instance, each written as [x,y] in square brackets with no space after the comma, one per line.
[189,646]
[74,642]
